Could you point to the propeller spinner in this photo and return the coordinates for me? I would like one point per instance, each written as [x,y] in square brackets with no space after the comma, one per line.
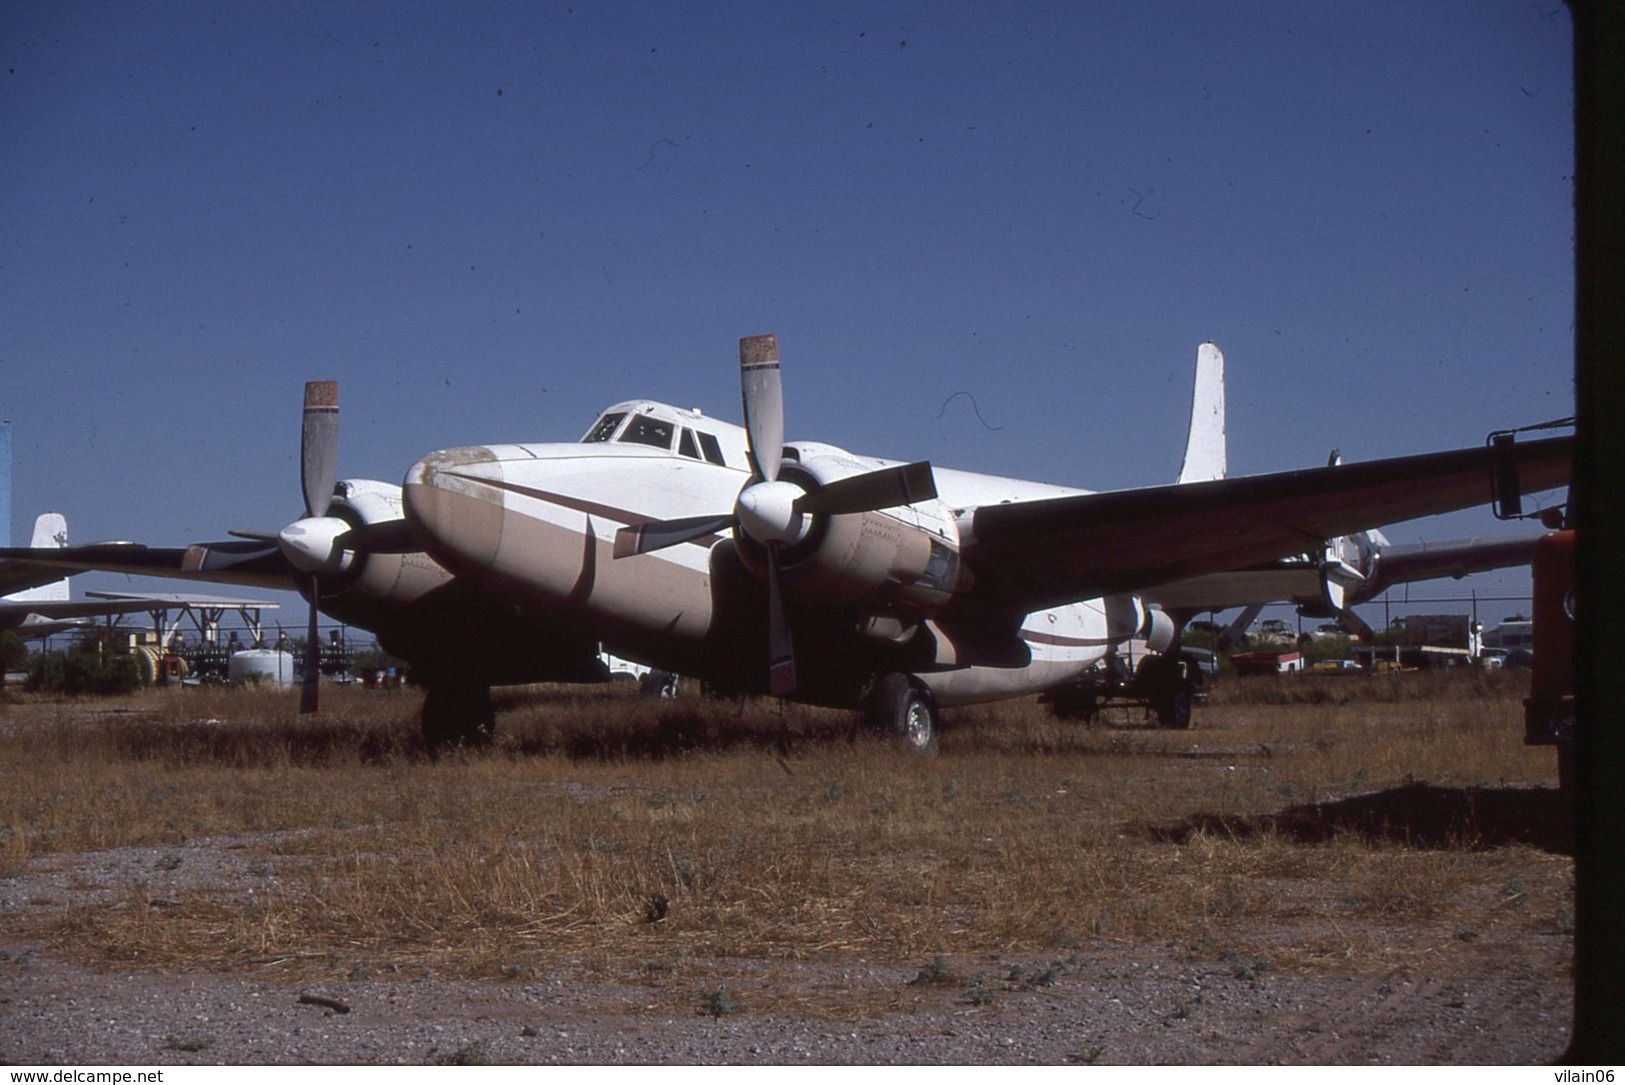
[778,513]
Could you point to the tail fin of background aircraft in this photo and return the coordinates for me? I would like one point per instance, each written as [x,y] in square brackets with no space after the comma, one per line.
[1205,444]
[50,530]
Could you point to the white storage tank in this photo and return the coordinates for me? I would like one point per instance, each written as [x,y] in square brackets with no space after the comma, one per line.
[261,665]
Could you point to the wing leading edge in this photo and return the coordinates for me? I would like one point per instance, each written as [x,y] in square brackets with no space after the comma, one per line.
[1035,554]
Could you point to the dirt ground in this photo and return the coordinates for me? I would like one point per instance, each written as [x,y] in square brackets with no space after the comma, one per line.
[1112,1003]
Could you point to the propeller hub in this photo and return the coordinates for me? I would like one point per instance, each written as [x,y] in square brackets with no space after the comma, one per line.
[766,512]
[311,545]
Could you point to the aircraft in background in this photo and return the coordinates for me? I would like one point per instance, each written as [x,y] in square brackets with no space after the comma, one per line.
[1329,581]
[700,547]
[28,610]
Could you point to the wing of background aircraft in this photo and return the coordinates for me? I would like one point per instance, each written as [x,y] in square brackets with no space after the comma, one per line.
[22,580]
[1410,562]
[1034,554]
[1323,583]
[19,574]
[246,562]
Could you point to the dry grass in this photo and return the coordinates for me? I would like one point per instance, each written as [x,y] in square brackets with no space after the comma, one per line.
[1329,825]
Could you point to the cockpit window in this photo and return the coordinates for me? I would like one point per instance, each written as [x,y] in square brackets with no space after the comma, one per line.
[644,430]
[686,445]
[603,429]
[713,450]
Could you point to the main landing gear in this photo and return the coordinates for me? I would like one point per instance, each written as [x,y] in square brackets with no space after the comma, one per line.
[901,707]
[457,715]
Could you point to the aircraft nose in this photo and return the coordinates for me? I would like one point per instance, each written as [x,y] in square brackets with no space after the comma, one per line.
[453,503]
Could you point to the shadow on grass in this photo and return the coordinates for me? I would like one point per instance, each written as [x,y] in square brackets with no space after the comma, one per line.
[1417,815]
[658,735]
[676,731]
[205,742]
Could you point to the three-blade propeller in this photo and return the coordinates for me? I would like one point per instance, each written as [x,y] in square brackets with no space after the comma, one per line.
[773,512]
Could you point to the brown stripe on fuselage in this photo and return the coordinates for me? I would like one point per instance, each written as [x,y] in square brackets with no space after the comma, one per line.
[590,508]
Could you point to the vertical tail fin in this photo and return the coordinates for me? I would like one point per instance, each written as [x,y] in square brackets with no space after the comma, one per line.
[1205,457]
[50,531]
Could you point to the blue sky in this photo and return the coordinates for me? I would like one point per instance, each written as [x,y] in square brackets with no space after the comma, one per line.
[489,220]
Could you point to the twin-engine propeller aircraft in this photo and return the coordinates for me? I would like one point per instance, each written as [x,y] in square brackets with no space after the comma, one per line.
[812,573]
[719,552]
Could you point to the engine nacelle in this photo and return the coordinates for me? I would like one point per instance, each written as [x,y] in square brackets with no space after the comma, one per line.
[904,559]
[367,578]
[1158,630]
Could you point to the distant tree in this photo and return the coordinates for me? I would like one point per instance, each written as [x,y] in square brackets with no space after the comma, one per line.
[1195,637]
[1333,646]
[13,652]
[91,666]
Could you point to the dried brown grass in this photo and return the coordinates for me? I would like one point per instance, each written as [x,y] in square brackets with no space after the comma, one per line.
[1363,827]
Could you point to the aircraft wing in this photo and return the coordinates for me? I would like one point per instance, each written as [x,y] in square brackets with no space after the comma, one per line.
[72,608]
[20,575]
[1428,561]
[159,600]
[60,614]
[1032,554]
[248,562]
[1300,580]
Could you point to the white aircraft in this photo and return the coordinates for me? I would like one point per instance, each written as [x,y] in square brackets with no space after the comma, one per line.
[810,572]
[665,536]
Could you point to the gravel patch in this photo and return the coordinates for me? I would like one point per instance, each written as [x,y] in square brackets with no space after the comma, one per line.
[1111,1003]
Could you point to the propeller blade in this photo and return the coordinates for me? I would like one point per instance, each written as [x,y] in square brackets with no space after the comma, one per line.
[319,446]
[385,537]
[882,489]
[781,656]
[309,695]
[659,534]
[763,397]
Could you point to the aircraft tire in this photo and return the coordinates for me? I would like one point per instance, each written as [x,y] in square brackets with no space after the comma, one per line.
[456,715]
[1174,710]
[1163,681]
[904,711]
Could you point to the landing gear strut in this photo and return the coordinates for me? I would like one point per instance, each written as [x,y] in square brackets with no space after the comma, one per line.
[899,707]
[457,715]
[1167,687]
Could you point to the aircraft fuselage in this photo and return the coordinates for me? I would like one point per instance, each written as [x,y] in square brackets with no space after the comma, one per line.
[868,592]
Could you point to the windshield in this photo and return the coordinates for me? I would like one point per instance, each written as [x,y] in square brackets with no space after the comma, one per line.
[603,429]
[644,430]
